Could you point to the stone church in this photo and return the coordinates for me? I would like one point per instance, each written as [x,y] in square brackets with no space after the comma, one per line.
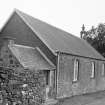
[72,67]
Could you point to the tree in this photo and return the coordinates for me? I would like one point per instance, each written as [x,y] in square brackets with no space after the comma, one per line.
[96,37]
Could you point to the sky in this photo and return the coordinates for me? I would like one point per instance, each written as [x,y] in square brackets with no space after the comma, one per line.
[68,15]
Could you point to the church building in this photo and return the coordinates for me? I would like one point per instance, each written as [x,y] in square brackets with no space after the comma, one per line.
[71,66]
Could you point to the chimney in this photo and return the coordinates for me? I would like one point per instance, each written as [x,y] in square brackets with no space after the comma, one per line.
[7,40]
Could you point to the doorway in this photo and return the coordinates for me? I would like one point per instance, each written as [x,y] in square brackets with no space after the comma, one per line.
[50,83]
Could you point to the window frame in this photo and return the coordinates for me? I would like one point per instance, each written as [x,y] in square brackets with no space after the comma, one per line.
[92,69]
[76,70]
[103,69]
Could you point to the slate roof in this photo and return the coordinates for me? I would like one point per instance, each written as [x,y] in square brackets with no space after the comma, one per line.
[58,40]
[31,57]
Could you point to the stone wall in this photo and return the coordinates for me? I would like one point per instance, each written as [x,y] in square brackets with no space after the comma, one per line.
[85,84]
[33,80]
[7,59]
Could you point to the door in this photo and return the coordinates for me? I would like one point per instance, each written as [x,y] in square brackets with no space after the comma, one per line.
[50,82]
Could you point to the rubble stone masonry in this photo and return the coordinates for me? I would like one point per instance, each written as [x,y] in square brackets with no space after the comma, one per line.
[85,84]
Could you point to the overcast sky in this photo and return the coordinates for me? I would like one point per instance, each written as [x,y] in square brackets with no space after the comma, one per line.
[68,15]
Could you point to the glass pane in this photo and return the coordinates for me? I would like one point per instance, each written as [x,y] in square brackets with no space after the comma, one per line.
[76,64]
[103,69]
[93,69]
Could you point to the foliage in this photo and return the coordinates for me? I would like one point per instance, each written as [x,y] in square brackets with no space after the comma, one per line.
[24,88]
[96,37]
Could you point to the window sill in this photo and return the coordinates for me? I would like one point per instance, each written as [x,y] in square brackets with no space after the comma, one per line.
[92,77]
[74,81]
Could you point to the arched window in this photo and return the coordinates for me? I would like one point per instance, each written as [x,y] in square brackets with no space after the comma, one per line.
[103,69]
[76,70]
[92,69]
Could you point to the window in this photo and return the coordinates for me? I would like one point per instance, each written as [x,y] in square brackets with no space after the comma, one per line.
[11,61]
[103,69]
[1,59]
[92,69]
[76,69]
[10,56]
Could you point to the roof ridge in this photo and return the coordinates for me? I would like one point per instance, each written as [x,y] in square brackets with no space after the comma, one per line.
[18,11]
